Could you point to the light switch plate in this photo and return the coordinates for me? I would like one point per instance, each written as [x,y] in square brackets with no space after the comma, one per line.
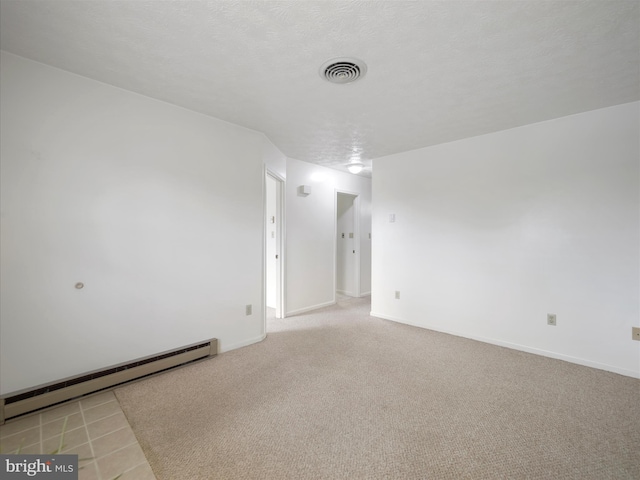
[636,333]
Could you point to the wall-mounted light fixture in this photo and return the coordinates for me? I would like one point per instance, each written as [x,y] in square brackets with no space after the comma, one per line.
[304,190]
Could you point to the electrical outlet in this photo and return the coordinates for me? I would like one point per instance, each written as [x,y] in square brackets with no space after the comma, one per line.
[635,333]
[397,294]
[248,310]
[551,319]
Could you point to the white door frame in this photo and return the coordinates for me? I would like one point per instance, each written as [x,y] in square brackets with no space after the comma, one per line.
[356,235]
[280,246]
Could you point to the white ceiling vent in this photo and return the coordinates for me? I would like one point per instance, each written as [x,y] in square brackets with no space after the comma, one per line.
[343,70]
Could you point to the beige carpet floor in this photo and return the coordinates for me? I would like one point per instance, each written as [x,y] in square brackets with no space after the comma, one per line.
[337,394]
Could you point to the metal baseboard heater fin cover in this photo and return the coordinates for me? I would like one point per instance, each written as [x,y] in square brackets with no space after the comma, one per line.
[30,400]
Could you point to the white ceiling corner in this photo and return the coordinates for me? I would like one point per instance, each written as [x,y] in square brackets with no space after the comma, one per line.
[437,70]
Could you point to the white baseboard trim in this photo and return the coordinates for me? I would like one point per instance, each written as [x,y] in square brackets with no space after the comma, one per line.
[353,295]
[516,346]
[244,343]
[344,292]
[308,309]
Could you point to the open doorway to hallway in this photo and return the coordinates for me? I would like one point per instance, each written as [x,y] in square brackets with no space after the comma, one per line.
[347,268]
[274,220]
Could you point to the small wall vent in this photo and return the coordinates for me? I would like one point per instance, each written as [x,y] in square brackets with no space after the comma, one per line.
[343,70]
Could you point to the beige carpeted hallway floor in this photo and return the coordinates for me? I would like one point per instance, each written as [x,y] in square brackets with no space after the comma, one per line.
[337,394]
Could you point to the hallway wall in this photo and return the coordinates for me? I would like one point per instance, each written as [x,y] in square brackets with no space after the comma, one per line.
[310,233]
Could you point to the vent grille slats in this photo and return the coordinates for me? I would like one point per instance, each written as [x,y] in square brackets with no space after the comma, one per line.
[343,70]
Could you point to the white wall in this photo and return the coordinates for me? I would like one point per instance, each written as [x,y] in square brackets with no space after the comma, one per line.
[310,254]
[494,232]
[274,159]
[156,209]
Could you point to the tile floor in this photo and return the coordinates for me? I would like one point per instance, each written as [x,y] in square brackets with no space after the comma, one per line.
[96,430]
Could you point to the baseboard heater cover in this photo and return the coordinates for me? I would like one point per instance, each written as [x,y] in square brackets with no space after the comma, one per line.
[30,400]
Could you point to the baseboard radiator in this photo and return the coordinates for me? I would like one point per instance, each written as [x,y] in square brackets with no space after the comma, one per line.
[30,400]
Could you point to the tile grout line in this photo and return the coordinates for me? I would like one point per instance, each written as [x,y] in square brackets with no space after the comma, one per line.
[82,410]
[58,434]
[93,455]
[118,449]
[136,466]
[135,442]
[102,418]
[99,405]
[102,436]
[41,423]
[41,446]
[19,431]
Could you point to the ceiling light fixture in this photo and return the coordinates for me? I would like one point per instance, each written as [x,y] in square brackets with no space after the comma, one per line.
[343,70]
[355,167]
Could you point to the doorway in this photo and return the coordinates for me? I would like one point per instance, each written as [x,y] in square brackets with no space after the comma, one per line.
[274,221]
[347,267]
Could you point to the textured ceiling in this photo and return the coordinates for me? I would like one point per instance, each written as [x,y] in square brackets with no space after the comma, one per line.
[437,70]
